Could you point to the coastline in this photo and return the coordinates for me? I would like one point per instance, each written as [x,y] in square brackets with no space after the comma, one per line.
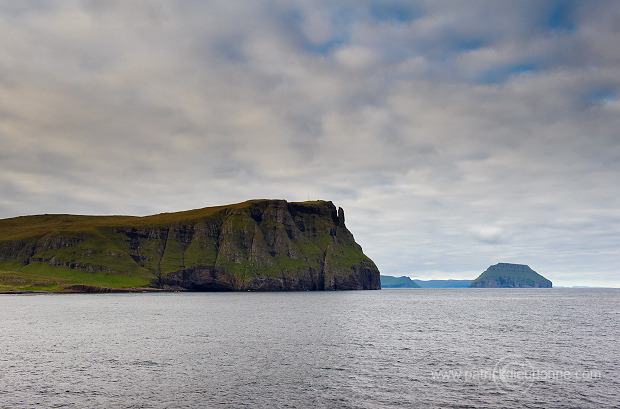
[87,289]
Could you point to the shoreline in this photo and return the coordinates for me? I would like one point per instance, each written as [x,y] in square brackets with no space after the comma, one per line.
[87,289]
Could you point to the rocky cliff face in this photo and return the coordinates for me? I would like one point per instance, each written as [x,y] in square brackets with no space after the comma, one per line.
[266,245]
[506,275]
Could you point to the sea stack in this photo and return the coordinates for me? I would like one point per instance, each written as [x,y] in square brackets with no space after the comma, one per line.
[507,275]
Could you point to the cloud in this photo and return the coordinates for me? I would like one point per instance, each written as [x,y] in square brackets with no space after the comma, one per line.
[489,234]
[454,135]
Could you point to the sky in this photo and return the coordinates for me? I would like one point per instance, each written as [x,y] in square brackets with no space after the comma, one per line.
[454,134]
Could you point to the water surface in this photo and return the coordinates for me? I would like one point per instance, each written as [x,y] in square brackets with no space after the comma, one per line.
[433,348]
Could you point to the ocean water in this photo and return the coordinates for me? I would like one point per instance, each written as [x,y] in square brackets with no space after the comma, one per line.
[420,348]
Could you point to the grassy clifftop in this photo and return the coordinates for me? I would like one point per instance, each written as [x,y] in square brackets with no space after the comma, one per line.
[258,244]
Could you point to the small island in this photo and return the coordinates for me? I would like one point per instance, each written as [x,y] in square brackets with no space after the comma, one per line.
[449,283]
[398,282]
[507,275]
[407,282]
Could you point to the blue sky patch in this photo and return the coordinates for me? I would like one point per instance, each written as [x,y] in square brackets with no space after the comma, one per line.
[561,17]
[468,44]
[396,12]
[603,95]
[460,45]
[501,74]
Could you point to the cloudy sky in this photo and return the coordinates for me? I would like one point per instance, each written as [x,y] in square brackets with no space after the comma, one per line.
[455,134]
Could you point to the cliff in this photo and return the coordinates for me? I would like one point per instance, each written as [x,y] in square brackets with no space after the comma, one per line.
[506,275]
[266,245]
[398,282]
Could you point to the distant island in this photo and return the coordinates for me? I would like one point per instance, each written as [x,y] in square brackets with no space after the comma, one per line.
[406,282]
[398,282]
[260,245]
[501,275]
[450,283]
[506,275]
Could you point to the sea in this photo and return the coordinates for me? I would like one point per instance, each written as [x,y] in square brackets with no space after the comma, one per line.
[393,348]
